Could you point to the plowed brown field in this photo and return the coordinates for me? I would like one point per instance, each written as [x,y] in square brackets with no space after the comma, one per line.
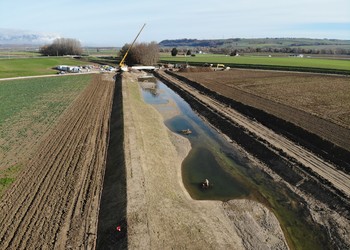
[318,103]
[54,203]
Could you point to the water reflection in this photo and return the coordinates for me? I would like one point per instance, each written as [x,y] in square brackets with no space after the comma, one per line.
[231,174]
[207,159]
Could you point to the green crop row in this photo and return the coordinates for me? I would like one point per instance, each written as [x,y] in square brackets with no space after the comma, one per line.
[15,95]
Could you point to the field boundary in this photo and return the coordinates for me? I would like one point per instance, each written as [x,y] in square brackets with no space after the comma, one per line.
[269,67]
[43,76]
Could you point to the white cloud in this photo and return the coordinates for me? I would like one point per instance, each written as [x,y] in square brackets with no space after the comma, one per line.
[113,22]
[12,36]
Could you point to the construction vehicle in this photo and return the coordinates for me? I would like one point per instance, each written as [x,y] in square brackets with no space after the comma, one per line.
[122,65]
[220,66]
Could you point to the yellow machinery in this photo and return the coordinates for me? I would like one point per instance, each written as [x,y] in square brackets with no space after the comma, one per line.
[122,64]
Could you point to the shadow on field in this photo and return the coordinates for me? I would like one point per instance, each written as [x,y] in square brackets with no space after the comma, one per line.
[112,215]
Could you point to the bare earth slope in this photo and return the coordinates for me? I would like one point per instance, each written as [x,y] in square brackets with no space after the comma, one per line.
[54,203]
[160,213]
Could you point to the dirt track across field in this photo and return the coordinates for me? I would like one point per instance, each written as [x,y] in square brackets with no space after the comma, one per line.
[54,203]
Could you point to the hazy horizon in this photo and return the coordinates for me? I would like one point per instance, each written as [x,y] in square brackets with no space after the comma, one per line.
[113,24]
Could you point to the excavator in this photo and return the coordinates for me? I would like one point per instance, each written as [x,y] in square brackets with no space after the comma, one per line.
[122,65]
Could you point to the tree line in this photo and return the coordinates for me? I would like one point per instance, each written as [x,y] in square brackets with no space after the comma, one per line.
[61,47]
[234,51]
[141,53]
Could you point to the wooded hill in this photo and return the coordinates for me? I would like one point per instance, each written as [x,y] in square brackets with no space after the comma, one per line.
[328,46]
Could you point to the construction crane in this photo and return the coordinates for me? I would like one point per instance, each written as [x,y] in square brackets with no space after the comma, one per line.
[122,65]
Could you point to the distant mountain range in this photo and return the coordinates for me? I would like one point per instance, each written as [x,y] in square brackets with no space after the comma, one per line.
[256,43]
[18,37]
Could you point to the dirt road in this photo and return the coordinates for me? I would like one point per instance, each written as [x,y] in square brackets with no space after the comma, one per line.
[54,203]
[43,76]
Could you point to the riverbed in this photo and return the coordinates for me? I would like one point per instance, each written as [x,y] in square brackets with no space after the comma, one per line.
[230,173]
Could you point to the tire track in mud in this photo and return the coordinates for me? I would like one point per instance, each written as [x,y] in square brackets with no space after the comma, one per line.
[54,203]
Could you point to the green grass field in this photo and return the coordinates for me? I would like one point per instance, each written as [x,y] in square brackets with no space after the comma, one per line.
[29,108]
[8,54]
[33,66]
[101,52]
[7,177]
[256,60]
[15,95]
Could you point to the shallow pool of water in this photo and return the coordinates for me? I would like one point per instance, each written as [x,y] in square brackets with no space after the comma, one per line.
[230,174]
[206,159]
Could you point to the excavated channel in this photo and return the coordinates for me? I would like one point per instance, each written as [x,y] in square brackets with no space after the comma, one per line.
[229,172]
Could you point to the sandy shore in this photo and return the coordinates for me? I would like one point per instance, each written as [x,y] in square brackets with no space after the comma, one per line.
[160,212]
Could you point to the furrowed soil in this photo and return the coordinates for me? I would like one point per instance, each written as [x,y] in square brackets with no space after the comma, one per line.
[318,103]
[30,108]
[54,202]
[57,202]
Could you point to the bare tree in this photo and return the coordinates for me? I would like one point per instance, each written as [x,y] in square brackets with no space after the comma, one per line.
[62,46]
[141,53]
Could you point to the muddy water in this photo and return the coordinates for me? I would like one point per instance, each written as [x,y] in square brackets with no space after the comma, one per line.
[212,157]
[206,160]
[229,172]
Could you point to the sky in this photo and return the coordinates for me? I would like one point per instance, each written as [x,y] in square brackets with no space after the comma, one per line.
[114,22]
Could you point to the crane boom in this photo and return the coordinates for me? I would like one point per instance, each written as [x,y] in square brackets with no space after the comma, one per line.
[121,64]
